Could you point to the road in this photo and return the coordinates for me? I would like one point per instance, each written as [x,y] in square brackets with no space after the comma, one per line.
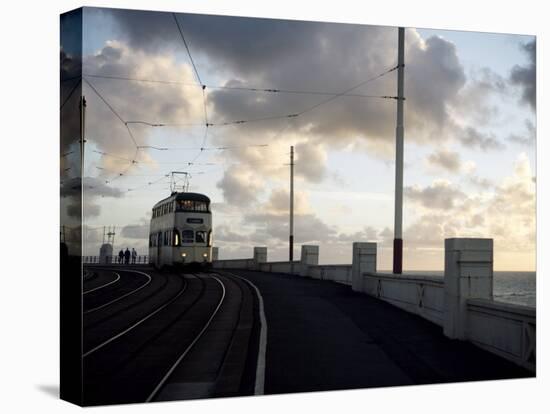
[154,336]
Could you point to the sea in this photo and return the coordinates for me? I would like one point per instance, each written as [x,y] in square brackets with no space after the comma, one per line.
[510,287]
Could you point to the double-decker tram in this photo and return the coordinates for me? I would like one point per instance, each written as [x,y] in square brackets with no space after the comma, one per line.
[181,231]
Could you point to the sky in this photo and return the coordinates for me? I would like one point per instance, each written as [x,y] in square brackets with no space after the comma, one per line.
[470,116]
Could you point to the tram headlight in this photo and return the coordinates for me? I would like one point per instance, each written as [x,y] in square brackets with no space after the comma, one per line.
[183,254]
[205,254]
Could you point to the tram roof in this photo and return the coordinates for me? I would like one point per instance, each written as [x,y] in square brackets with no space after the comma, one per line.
[185,196]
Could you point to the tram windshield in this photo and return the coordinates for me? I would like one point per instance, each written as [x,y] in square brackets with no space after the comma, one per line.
[200,237]
[187,236]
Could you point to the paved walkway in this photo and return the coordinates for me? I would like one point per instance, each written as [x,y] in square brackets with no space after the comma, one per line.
[323,336]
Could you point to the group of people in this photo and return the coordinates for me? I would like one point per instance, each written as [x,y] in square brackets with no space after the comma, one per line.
[125,256]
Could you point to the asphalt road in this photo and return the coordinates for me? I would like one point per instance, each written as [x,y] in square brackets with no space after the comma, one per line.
[323,336]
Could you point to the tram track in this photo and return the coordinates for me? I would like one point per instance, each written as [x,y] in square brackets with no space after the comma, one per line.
[119,298]
[135,357]
[137,364]
[116,279]
[137,323]
[221,361]
[190,346]
[130,304]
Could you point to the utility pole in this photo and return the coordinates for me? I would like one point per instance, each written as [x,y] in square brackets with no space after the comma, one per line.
[291,224]
[82,107]
[399,133]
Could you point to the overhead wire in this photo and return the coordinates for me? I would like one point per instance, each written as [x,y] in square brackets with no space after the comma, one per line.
[282,116]
[207,123]
[241,88]
[70,93]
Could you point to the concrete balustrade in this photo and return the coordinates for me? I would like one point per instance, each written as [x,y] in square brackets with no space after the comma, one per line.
[260,256]
[334,273]
[505,329]
[309,257]
[468,275]
[363,261]
[422,295]
[461,302]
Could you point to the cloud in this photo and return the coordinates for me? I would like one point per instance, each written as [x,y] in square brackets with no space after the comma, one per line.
[368,233]
[441,194]
[480,182]
[505,213]
[223,233]
[526,76]
[135,101]
[135,231]
[240,186]
[84,195]
[310,161]
[308,56]
[526,139]
[446,160]
[279,202]
[475,139]
[308,228]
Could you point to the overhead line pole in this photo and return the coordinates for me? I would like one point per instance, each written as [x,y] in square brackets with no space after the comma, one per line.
[82,108]
[291,224]
[399,135]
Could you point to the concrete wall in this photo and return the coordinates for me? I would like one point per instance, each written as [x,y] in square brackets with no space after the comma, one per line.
[336,273]
[233,264]
[462,301]
[281,267]
[422,295]
[505,329]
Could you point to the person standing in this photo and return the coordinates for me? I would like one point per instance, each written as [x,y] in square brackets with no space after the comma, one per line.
[120,256]
[127,256]
[134,255]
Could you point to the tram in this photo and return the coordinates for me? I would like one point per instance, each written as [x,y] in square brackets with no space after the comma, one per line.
[180,233]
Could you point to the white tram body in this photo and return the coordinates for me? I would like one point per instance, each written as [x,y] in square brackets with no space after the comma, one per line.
[181,231]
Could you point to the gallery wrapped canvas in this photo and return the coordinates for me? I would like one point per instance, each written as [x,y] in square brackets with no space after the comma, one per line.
[256,206]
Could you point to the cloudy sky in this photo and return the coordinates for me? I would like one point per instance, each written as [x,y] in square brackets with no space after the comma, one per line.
[469,133]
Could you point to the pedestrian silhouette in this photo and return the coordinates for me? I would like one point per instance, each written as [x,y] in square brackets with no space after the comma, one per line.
[134,255]
[127,256]
[120,256]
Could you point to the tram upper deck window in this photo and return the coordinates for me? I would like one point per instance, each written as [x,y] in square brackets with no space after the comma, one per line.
[189,205]
[201,206]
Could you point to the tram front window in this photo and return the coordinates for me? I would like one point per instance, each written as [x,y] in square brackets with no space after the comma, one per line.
[200,237]
[187,236]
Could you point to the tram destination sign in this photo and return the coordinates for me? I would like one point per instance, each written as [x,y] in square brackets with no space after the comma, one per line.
[195,220]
